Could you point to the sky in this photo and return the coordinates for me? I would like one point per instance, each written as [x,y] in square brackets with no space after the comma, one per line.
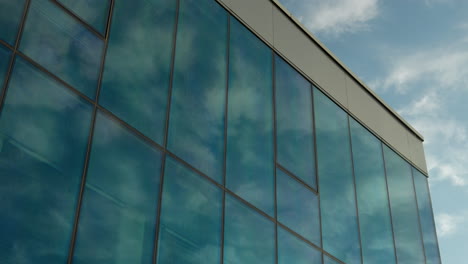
[413,54]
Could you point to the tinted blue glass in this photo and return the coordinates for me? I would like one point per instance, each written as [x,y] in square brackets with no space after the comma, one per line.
[250,161]
[190,230]
[118,214]
[63,46]
[328,260]
[293,250]
[294,135]
[138,61]
[43,133]
[426,217]
[297,207]
[372,196]
[94,12]
[11,12]
[337,196]
[408,243]
[196,128]
[249,238]
[5,55]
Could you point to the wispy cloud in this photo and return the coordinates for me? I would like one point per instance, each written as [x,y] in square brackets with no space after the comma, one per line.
[448,224]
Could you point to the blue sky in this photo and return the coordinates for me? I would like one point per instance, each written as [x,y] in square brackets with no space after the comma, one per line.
[414,54]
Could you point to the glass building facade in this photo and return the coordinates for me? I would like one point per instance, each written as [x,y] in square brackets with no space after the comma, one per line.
[165,131]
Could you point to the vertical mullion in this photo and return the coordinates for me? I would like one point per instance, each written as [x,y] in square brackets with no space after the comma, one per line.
[90,140]
[419,217]
[275,155]
[355,190]
[432,214]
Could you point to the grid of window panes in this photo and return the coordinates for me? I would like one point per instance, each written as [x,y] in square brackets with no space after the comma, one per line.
[164,131]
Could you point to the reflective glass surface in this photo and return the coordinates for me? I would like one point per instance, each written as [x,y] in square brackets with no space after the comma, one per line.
[196,127]
[293,250]
[426,218]
[118,213]
[409,247]
[136,73]
[372,196]
[43,136]
[249,238]
[63,46]
[11,12]
[250,160]
[297,207]
[328,260]
[94,12]
[337,196]
[190,229]
[5,55]
[294,135]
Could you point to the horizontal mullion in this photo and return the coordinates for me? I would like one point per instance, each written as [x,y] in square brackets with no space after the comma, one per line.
[279,166]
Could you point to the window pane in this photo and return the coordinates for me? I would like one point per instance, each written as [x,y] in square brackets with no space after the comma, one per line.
[190,230]
[249,238]
[196,128]
[11,12]
[94,12]
[63,46]
[328,260]
[372,197]
[404,210]
[43,136]
[4,63]
[294,135]
[138,61]
[337,197]
[250,160]
[426,217]
[297,207]
[292,250]
[118,215]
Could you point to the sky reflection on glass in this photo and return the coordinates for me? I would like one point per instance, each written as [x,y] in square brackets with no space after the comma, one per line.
[43,136]
[372,196]
[63,46]
[250,160]
[293,250]
[196,128]
[11,12]
[5,55]
[94,12]
[190,229]
[337,197]
[138,61]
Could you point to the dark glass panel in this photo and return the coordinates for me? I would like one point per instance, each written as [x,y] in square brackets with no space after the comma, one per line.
[11,12]
[297,207]
[63,46]
[94,12]
[138,61]
[372,196]
[426,217]
[340,233]
[249,238]
[118,214]
[190,229]
[196,128]
[294,135]
[293,250]
[5,56]
[43,137]
[404,210]
[250,160]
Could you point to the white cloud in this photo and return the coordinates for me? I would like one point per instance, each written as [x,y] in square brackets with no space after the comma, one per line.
[448,224]
[334,17]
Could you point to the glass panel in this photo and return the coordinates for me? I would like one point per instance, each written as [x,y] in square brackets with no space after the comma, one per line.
[250,160]
[297,207]
[293,250]
[43,137]
[196,128]
[249,238]
[191,209]
[404,210]
[118,214]
[426,217]
[94,12]
[138,61]
[328,260]
[63,46]
[294,135]
[11,12]
[372,197]
[337,197]
[4,63]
